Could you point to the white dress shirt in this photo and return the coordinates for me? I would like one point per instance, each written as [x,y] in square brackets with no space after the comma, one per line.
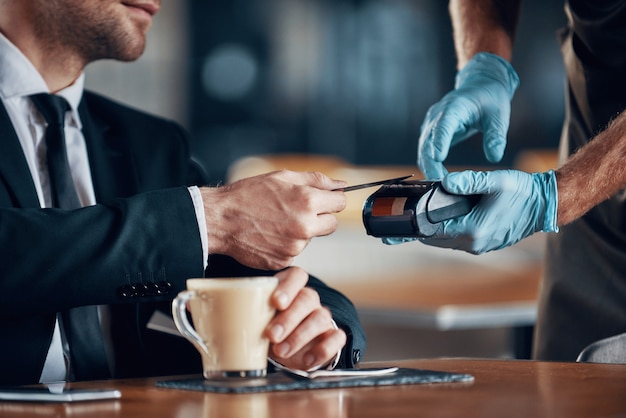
[18,80]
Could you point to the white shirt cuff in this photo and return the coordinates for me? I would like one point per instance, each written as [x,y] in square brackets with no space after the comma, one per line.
[198,205]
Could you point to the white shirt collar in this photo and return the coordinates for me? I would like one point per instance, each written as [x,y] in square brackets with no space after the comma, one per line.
[19,77]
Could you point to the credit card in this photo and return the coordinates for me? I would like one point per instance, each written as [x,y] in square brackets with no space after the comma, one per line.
[372,184]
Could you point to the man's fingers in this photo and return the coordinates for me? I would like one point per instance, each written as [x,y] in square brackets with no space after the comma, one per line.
[311,178]
[326,224]
[318,322]
[321,351]
[286,321]
[290,283]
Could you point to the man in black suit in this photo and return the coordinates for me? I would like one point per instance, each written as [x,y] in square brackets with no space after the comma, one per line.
[146,223]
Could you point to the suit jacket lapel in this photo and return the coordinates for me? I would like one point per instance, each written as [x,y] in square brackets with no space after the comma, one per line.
[109,160]
[109,157]
[14,172]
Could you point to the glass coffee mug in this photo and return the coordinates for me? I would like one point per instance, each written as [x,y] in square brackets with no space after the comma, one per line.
[230,316]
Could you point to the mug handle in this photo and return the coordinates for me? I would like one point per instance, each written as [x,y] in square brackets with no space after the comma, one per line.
[179,313]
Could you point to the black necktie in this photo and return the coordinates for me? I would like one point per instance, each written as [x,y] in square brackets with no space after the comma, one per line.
[81,325]
[62,188]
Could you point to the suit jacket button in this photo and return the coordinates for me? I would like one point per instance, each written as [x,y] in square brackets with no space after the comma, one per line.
[124,292]
[152,289]
[356,356]
[133,291]
[163,287]
[142,289]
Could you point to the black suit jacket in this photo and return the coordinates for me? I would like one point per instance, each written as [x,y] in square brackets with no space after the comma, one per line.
[133,250]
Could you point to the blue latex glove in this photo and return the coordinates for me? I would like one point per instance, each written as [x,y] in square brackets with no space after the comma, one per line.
[514,205]
[480,101]
[397,240]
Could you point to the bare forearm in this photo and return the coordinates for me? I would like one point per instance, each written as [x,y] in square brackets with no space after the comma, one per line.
[483,26]
[594,173]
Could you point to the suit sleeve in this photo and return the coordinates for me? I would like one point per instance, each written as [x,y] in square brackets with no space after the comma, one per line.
[136,249]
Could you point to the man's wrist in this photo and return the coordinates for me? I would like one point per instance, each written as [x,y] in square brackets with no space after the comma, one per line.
[330,365]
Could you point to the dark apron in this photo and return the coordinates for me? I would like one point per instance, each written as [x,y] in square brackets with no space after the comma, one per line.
[583,294]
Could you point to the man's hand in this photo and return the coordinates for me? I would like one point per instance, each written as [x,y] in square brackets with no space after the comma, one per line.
[302,334]
[514,205]
[265,221]
[480,102]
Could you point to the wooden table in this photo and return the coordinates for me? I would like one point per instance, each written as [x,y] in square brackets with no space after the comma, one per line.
[502,388]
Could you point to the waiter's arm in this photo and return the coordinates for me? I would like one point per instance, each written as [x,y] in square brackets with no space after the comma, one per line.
[594,173]
[483,26]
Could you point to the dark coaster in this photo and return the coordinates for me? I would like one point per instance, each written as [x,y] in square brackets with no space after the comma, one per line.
[278,381]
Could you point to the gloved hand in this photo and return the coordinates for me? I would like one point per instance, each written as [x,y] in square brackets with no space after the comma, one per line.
[480,101]
[397,240]
[514,205]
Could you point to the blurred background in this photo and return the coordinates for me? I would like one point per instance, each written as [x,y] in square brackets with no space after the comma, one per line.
[353,79]
[350,78]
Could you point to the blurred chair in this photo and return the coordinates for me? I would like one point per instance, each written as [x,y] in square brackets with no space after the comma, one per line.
[607,350]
